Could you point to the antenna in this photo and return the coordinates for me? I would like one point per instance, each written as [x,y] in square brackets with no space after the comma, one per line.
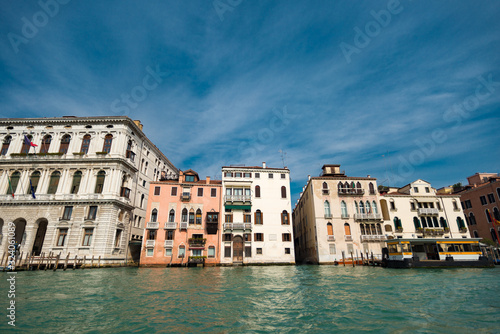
[283,157]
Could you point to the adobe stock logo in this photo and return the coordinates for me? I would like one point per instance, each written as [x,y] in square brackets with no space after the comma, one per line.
[50,8]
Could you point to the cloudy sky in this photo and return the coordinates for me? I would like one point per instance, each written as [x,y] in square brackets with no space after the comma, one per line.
[398,90]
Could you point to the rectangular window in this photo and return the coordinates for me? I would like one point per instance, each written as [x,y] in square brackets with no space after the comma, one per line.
[415,189]
[247,175]
[168,252]
[427,190]
[247,218]
[196,252]
[287,250]
[283,176]
[211,251]
[227,251]
[468,204]
[118,237]
[393,206]
[213,192]
[169,235]
[491,198]
[258,251]
[189,178]
[87,236]
[228,174]
[483,200]
[332,249]
[285,237]
[247,237]
[61,238]
[237,174]
[173,191]
[157,191]
[228,237]
[228,218]
[258,236]
[271,175]
[149,252]
[200,192]
[257,175]
[67,212]
[248,251]
[92,213]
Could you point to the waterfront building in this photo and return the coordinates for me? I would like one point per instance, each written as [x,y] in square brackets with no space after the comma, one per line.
[337,218]
[257,227]
[77,185]
[183,222]
[480,202]
[418,211]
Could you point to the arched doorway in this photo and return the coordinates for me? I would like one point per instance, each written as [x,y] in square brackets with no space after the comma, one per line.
[20,224]
[39,237]
[238,249]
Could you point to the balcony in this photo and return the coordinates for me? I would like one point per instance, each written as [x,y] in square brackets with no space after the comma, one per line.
[197,242]
[184,226]
[348,238]
[185,197]
[326,191]
[345,216]
[238,198]
[356,191]
[367,216]
[125,192]
[150,243]
[331,238]
[372,238]
[238,226]
[328,215]
[428,211]
[170,226]
[152,226]
[169,244]
[433,231]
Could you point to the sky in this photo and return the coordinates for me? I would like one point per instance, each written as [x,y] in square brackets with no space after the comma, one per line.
[399,90]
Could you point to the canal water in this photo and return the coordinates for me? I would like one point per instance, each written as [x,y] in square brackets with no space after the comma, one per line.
[284,299]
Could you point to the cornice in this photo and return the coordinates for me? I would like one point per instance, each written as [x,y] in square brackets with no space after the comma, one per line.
[59,203]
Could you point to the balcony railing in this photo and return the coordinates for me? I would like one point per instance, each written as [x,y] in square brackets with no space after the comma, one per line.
[328,215]
[185,197]
[428,211]
[345,216]
[184,226]
[326,191]
[331,238]
[432,231]
[170,225]
[238,198]
[152,226]
[238,226]
[150,243]
[169,244]
[197,242]
[367,216]
[372,238]
[348,238]
[356,191]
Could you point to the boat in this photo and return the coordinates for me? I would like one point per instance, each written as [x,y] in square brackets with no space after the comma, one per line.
[434,253]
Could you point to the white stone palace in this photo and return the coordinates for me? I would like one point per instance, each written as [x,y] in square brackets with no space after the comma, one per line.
[82,190]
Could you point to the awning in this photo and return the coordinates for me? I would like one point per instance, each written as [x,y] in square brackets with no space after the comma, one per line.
[238,207]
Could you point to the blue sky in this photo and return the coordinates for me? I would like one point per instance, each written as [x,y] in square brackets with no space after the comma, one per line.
[398,90]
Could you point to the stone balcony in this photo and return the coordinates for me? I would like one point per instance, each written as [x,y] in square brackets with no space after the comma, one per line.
[238,226]
[170,225]
[367,216]
[428,211]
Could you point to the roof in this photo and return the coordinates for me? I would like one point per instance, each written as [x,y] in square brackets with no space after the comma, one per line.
[254,167]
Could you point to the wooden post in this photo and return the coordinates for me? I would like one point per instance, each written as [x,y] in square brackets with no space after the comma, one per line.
[18,261]
[74,263]
[57,261]
[83,265]
[66,262]
[362,259]
[352,258]
[373,262]
[48,260]
[92,262]
[99,262]
[40,261]
[343,258]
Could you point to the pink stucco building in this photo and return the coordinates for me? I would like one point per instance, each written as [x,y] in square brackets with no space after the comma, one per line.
[182,222]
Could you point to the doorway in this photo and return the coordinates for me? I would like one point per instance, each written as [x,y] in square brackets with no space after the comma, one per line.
[238,249]
[40,236]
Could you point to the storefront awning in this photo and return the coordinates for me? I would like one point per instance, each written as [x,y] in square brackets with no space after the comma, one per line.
[239,207]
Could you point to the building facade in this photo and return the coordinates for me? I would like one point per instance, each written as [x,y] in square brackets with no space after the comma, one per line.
[257,227]
[77,185]
[480,201]
[418,211]
[183,222]
[337,218]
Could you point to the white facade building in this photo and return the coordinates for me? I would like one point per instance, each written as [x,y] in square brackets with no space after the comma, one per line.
[90,177]
[417,211]
[257,226]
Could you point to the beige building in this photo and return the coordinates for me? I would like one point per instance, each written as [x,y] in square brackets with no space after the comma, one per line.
[337,217]
[82,190]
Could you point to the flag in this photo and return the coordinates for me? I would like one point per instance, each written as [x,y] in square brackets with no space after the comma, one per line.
[493,220]
[10,186]
[32,190]
[27,141]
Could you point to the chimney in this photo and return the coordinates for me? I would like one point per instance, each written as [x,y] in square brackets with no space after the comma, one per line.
[208,179]
[264,164]
[308,177]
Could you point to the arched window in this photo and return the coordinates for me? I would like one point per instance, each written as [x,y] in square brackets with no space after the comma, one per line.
[353,186]
[257,191]
[488,216]
[460,223]
[34,179]
[285,219]
[283,192]
[498,192]
[361,207]
[44,148]
[99,185]
[443,223]
[358,185]
[356,206]
[64,144]
[325,186]
[416,222]
[85,144]
[327,209]
[54,182]
[379,229]
[372,188]
[362,228]
[184,215]
[472,219]
[476,235]
[397,223]
[154,215]
[496,214]
[191,216]
[368,208]
[435,221]
[258,217]
[340,186]
[171,216]
[14,181]
[347,229]
[142,200]
[108,140]
[424,222]
[26,145]
[343,208]
[329,229]
[198,217]
[374,207]
[75,186]
[5,145]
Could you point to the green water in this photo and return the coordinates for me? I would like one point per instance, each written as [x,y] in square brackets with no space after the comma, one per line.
[288,299]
